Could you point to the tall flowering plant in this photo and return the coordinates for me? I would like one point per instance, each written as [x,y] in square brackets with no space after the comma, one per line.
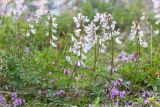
[81,43]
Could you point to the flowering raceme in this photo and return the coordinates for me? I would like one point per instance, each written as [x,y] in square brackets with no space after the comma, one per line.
[34,20]
[156,10]
[137,34]
[105,30]
[52,26]
[81,44]
[87,35]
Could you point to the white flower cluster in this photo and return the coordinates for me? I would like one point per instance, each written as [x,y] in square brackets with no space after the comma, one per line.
[19,7]
[39,13]
[98,31]
[52,26]
[145,24]
[80,41]
[137,34]
[35,20]
[31,28]
[156,7]
[106,29]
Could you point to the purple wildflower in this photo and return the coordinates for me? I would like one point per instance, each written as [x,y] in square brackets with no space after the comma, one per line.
[123,94]
[66,72]
[18,102]
[120,80]
[2,100]
[39,93]
[60,93]
[133,57]
[27,50]
[114,70]
[47,93]
[123,57]
[117,83]
[14,96]
[146,101]
[147,94]
[114,92]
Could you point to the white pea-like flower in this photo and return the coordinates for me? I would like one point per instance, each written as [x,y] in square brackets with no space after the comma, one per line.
[118,40]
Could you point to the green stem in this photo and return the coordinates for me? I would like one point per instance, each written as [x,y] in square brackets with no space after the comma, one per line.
[95,61]
[112,55]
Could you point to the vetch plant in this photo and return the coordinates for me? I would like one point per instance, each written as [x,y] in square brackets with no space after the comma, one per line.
[101,30]
[137,35]
[27,64]
[52,26]
[113,89]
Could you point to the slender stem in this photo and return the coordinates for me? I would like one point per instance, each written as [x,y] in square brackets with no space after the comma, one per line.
[137,58]
[151,46]
[112,56]
[95,61]
[74,69]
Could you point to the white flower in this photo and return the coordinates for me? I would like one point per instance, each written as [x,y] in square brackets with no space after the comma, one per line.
[143,17]
[80,63]
[97,17]
[156,7]
[54,38]
[77,32]
[118,40]
[68,59]
[33,31]
[156,32]
[53,44]
[143,44]
[81,19]
[28,34]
